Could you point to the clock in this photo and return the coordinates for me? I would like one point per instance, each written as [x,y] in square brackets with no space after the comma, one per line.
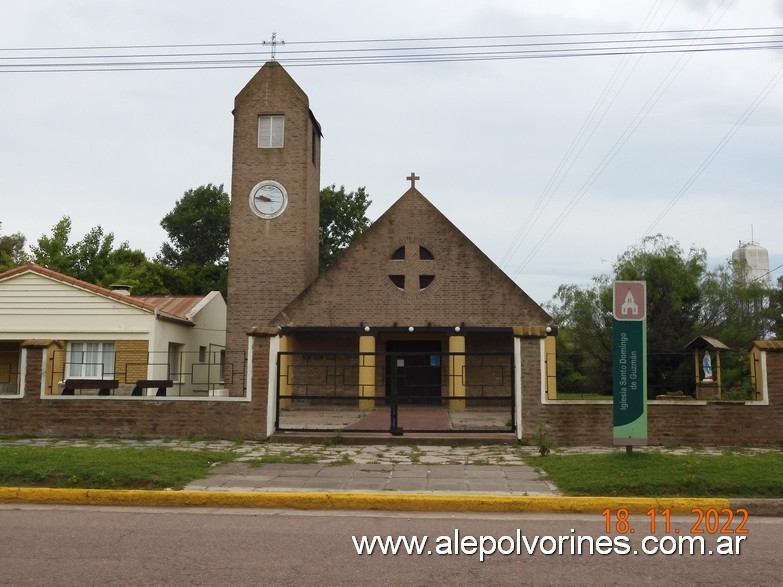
[268,199]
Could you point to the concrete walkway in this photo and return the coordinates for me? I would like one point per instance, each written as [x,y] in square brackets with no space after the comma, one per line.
[416,478]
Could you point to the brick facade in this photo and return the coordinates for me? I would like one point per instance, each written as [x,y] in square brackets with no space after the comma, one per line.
[271,260]
[467,289]
[130,360]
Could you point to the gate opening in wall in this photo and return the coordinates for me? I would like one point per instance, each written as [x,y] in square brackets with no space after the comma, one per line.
[414,387]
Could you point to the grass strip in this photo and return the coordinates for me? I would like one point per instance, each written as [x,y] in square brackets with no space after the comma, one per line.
[661,475]
[105,468]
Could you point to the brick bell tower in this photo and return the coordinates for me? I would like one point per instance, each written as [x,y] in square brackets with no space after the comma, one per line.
[275,191]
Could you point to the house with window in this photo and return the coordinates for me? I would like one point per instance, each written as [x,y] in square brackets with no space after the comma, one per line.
[108,342]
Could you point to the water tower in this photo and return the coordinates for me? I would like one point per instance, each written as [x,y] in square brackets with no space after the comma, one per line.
[754,260]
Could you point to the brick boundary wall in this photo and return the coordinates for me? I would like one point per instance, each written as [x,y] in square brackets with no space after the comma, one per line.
[567,423]
[716,423]
[130,417]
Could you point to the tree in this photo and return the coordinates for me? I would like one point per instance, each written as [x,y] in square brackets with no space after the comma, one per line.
[55,252]
[12,253]
[198,228]
[674,305]
[584,344]
[93,259]
[736,310]
[684,300]
[776,309]
[342,220]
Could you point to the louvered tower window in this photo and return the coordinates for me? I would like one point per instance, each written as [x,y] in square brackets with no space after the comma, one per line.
[271,131]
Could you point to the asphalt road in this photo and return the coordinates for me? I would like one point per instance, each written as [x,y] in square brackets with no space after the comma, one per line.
[66,545]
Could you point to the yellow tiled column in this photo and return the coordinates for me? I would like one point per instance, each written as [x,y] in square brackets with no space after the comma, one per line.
[367,372]
[456,372]
[550,348]
[285,374]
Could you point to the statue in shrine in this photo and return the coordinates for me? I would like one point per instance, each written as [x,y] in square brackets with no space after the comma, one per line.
[707,365]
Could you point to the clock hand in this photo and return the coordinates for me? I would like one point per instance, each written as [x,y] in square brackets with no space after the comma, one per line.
[263,198]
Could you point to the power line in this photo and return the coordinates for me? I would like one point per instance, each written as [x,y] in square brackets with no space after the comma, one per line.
[771,84]
[600,45]
[397,40]
[630,129]
[254,63]
[575,150]
[727,39]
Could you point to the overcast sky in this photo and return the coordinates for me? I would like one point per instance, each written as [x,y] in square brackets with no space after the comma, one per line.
[688,144]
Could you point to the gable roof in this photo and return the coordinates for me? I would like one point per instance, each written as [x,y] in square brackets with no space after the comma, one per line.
[171,308]
[706,342]
[273,69]
[446,279]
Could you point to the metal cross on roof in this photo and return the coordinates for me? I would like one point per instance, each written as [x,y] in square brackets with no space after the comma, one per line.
[412,178]
[273,44]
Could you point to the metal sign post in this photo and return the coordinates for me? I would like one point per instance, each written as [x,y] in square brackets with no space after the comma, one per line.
[629,335]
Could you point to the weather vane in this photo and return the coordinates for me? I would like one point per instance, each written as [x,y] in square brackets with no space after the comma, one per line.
[273,44]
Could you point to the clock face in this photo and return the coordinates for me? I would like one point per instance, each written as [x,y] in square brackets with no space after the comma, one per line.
[268,199]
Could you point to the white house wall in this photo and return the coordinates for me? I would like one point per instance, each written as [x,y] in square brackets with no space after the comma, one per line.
[209,332]
[34,306]
[210,322]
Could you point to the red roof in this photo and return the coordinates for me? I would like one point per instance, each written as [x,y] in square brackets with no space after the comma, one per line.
[180,306]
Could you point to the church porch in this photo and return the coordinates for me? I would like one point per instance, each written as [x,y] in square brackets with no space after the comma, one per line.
[394,380]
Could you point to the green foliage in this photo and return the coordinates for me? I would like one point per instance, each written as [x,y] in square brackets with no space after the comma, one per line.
[738,310]
[105,468]
[335,440]
[192,279]
[12,253]
[198,228]
[55,252]
[673,305]
[582,396]
[684,301]
[342,220]
[776,310]
[542,440]
[93,259]
[657,475]
[584,343]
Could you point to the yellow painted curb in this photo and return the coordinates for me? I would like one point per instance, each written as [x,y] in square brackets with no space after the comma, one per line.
[357,501]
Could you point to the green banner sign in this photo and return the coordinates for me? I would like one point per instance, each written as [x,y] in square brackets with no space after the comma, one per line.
[629,333]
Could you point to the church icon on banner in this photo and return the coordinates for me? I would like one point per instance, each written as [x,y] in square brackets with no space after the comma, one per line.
[629,305]
[629,300]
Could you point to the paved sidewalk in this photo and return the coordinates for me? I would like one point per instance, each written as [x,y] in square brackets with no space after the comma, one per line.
[332,466]
[398,477]
[416,478]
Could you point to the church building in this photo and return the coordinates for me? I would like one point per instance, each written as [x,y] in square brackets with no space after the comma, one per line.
[411,328]
[412,331]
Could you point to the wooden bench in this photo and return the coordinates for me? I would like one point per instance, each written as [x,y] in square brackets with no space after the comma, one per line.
[104,386]
[161,384]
